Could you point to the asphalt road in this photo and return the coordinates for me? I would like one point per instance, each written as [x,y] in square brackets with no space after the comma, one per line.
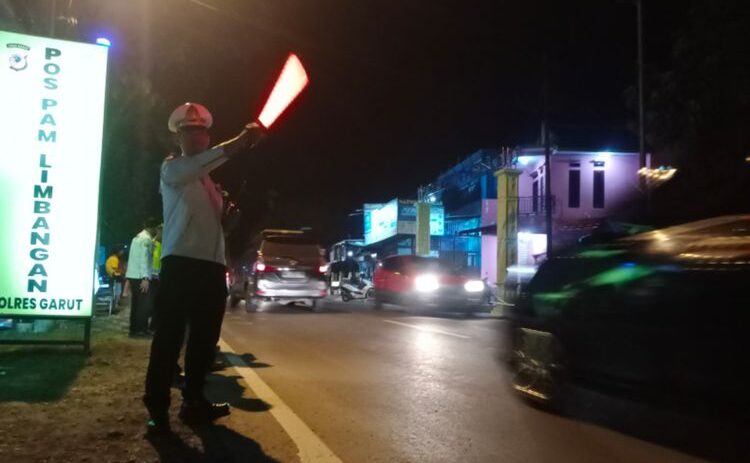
[360,385]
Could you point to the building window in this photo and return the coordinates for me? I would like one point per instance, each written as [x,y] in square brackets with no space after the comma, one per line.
[574,188]
[598,189]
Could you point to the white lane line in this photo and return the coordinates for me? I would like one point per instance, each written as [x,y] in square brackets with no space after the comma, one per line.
[428,329]
[311,448]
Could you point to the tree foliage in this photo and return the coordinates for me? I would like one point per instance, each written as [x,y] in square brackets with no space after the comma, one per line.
[699,110]
[134,145]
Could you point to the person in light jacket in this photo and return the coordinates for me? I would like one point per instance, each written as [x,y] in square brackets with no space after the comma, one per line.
[192,287]
[139,275]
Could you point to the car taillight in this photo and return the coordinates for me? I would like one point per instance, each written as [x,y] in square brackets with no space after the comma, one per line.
[264,268]
[323,268]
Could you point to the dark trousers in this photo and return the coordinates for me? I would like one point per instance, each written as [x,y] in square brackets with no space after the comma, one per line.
[140,307]
[191,293]
[153,291]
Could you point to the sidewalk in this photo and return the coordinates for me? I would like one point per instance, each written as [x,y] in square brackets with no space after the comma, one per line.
[58,405]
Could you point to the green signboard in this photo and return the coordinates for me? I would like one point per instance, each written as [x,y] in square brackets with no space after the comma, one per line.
[51,115]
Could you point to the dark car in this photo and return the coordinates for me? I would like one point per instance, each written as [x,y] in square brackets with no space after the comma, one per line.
[661,316]
[426,282]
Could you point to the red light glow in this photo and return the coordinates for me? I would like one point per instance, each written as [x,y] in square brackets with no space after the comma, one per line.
[265,268]
[292,80]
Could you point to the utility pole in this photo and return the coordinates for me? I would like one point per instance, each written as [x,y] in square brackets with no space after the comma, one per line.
[547,157]
[641,131]
[645,186]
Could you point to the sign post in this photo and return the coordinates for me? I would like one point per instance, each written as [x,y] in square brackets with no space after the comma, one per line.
[52,94]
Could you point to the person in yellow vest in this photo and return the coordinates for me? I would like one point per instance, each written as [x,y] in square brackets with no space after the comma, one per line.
[113,268]
[155,270]
[156,267]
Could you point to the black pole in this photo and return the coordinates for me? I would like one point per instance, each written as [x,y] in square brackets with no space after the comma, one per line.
[641,136]
[641,111]
[52,18]
[87,336]
[547,159]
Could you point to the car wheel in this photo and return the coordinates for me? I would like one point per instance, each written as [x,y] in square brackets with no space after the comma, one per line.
[538,369]
[313,304]
[252,304]
[378,305]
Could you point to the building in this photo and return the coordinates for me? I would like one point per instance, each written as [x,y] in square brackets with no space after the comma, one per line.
[585,188]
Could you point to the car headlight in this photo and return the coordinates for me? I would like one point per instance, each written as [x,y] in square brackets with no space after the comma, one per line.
[426,283]
[474,286]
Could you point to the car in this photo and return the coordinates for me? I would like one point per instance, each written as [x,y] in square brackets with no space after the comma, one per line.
[426,282]
[289,267]
[660,316]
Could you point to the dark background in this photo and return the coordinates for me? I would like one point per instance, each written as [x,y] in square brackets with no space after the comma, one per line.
[401,90]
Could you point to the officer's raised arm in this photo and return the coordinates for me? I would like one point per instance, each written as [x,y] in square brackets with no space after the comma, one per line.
[190,122]
[250,136]
[185,169]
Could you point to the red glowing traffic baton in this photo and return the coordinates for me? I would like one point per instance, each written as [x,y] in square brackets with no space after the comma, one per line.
[292,80]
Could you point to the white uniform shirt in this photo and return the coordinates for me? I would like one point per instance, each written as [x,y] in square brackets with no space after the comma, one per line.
[140,258]
[192,207]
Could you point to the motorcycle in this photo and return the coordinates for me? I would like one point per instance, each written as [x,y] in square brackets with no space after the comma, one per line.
[355,288]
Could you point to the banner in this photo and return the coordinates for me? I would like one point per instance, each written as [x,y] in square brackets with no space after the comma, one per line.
[382,221]
[407,218]
[52,113]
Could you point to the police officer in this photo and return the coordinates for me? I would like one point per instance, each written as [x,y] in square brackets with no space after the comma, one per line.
[192,287]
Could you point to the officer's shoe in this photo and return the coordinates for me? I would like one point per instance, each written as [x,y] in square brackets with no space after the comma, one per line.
[178,381]
[218,365]
[202,412]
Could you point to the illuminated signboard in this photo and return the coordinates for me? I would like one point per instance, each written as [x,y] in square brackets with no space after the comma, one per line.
[407,218]
[437,221]
[52,100]
[382,221]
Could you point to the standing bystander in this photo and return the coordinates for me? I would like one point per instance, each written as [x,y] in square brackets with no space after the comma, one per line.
[139,275]
[113,268]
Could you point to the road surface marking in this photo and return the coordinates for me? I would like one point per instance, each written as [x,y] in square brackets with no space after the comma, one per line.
[427,329]
[311,448]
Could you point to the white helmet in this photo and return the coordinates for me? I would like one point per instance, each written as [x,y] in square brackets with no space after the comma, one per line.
[190,114]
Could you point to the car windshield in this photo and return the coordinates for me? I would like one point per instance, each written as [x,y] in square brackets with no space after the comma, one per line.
[433,264]
[734,228]
[290,248]
[719,226]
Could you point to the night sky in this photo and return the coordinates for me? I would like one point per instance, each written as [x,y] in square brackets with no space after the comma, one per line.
[400,90]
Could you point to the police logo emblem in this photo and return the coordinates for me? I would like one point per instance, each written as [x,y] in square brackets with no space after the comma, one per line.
[18,59]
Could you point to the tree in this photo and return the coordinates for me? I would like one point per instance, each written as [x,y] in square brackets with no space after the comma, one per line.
[133,148]
[699,113]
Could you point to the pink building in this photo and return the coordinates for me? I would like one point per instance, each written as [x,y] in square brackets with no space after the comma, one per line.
[586,187]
